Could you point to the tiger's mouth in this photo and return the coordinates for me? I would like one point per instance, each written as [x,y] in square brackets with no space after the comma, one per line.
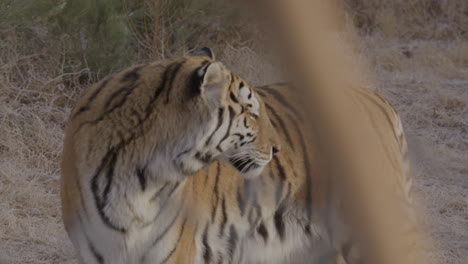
[244,165]
[249,168]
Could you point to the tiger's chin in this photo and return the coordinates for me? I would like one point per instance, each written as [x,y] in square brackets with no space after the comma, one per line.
[253,173]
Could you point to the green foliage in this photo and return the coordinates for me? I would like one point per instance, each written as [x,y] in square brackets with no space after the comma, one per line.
[104,35]
[98,33]
[93,34]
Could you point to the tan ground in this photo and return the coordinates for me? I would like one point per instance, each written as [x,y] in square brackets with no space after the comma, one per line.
[427,80]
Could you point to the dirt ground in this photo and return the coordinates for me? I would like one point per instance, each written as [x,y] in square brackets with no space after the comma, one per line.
[427,81]
[431,94]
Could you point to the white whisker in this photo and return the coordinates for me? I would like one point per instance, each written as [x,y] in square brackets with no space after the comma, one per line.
[247,166]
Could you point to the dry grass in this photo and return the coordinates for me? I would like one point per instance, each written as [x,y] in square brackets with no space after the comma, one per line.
[410,19]
[420,63]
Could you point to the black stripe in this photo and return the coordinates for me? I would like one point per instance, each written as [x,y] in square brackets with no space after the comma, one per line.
[241,137]
[195,81]
[173,189]
[240,201]
[346,251]
[174,70]
[109,178]
[140,172]
[307,230]
[273,123]
[162,235]
[224,218]
[277,84]
[284,199]
[131,75]
[96,254]
[384,111]
[204,158]
[279,191]
[245,122]
[148,109]
[282,177]
[171,224]
[256,205]
[232,241]
[282,125]
[99,258]
[231,117]
[126,91]
[263,232]
[220,258]
[84,205]
[216,192]
[373,99]
[176,244]
[184,152]
[207,254]
[272,175]
[139,121]
[218,125]
[288,193]
[93,96]
[250,141]
[307,168]
[281,172]
[158,192]
[163,203]
[251,166]
[157,92]
[233,97]
[279,223]
[279,97]
[100,199]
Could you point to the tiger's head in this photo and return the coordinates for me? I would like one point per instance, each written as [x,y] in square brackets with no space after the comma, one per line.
[236,128]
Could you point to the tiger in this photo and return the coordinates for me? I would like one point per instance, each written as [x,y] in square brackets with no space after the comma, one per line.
[182,161]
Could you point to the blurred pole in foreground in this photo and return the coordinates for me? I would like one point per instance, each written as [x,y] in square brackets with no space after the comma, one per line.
[356,153]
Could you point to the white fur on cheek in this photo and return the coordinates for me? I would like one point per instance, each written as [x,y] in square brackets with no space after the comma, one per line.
[243,96]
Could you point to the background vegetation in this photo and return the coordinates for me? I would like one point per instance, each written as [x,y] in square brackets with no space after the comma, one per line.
[51,50]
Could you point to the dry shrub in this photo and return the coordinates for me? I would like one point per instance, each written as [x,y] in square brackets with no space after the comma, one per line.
[445,58]
[35,98]
[410,19]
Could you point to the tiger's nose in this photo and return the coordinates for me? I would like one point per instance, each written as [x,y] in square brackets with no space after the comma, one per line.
[275,149]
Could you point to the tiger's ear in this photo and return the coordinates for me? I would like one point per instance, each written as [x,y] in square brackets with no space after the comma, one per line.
[205,51]
[215,79]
